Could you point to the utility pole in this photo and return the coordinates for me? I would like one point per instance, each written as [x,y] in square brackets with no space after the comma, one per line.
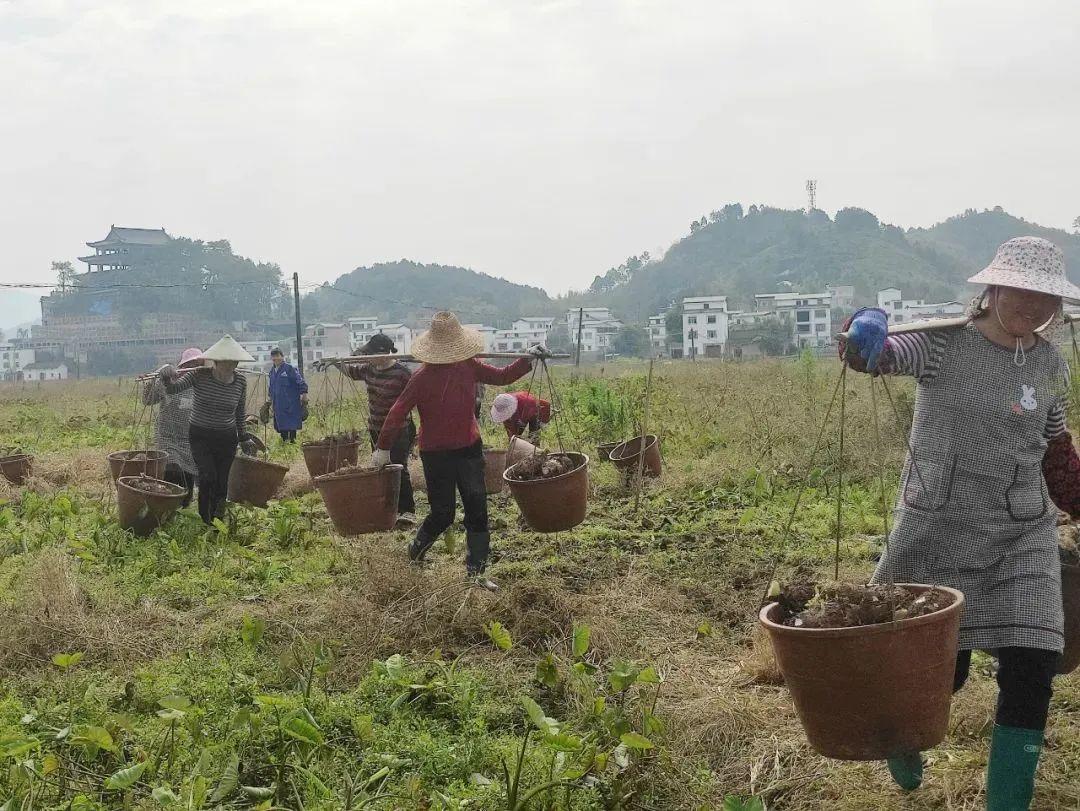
[580,322]
[693,349]
[299,332]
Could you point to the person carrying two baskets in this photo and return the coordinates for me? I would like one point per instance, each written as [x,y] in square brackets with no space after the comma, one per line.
[989,458]
[443,392]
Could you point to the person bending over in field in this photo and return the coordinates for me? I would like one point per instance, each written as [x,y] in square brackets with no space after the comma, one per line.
[989,451]
[386,379]
[518,411]
[173,423]
[443,392]
[217,419]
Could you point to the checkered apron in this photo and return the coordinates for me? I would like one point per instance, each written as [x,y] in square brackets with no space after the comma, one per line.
[973,511]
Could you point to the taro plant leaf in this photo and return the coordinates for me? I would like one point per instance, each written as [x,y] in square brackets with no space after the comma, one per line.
[258,792]
[648,676]
[632,740]
[303,730]
[562,742]
[251,630]
[126,778]
[164,795]
[581,640]
[546,671]
[395,667]
[499,636]
[379,775]
[734,803]
[622,676]
[549,726]
[363,728]
[230,779]
[178,703]
[49,764]
[66,660]
[15,745]
[95,736]
[704,630]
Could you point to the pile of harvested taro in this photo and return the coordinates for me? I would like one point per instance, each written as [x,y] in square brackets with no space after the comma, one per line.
[543,466]
[149,485]
[1068,538]
[847,605]
[349,470]
[339,439]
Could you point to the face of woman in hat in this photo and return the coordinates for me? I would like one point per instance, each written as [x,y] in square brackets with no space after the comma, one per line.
[1023,311]
[224,367]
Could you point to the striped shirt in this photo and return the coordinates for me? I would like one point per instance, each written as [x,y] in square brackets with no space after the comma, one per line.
[383,388]
[218,406]
[919,354]
[171,429]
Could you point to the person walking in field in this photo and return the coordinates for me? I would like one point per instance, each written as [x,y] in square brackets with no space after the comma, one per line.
[217,419]
[518,411]
[989,457]
[173,422]
[386,379]
[288,393]
[443,391]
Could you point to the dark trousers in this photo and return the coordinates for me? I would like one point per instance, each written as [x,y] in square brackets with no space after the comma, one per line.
[288,436]
[1025,677]
[399,455]
[174,474]
[213,452]
[447,473]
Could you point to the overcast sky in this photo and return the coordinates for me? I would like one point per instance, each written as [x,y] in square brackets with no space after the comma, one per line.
[538,141]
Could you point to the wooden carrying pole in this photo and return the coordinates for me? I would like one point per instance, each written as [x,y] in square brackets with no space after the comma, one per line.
[407,358]
[932,324]
[644,439]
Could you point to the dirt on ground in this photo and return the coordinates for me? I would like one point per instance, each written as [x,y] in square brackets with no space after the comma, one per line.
[149,485]
[544,466]
[338,439]
[1070,555]
[847,605]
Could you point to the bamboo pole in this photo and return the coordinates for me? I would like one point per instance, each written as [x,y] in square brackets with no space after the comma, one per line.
[933,324]
[407,358]
[151,375]
[644,439]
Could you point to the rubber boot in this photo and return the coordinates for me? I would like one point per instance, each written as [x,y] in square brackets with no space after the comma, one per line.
[1010,774]
[478,545]
[420,545]
[906,770]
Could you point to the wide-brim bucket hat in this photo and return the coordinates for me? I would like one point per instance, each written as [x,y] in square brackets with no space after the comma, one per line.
[503,408]
[1029,263]
[447,341]
[193,356]
[228,349]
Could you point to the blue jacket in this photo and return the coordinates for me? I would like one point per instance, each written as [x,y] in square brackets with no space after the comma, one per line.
[286,386]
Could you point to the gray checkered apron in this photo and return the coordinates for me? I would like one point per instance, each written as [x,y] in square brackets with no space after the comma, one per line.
[973,511]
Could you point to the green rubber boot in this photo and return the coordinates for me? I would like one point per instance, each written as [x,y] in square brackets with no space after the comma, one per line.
[1010,775]
[906,770]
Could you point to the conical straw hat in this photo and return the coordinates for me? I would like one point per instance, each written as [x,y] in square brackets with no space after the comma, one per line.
[228,349]
[447,341]
[1029,263]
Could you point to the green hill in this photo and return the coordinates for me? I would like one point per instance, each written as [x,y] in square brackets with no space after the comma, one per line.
[765,249]
[409,292]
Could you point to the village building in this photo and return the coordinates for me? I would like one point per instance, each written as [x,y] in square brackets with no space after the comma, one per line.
[809,315]
[657,329]
[705,326]
[400,334]
[361,330]
[487,333]
[598,328]
[901,310]
[45,370]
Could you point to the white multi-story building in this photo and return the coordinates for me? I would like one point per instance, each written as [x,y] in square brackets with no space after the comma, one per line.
[326,341]
[809,314]
[400,334]
[843,296]
[260,350]
[361,328]
[901,310]
[657,330]
[598,328]
[705,326]
[13,359]
[487,333]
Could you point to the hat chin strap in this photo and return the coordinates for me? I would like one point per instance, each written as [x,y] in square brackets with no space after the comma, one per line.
[1019,356]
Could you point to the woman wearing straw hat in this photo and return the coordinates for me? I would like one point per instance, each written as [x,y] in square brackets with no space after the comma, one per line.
[989,453]
[217,419]
[171,429]
[443,392]
[520,410]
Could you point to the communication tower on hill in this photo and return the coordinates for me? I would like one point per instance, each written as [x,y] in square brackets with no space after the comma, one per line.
[811,195]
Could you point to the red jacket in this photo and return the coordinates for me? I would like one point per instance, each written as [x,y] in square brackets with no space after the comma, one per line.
[444,394]
[531,413]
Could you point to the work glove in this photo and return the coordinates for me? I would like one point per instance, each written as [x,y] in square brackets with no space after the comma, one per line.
[380,458]
[264,412]
[320,365]
[866,335]
[167,372]
[539,352]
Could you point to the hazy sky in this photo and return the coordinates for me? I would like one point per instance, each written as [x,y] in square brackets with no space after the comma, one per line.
[539,141]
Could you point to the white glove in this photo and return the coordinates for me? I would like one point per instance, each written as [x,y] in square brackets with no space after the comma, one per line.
[539,351]
[380,458]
